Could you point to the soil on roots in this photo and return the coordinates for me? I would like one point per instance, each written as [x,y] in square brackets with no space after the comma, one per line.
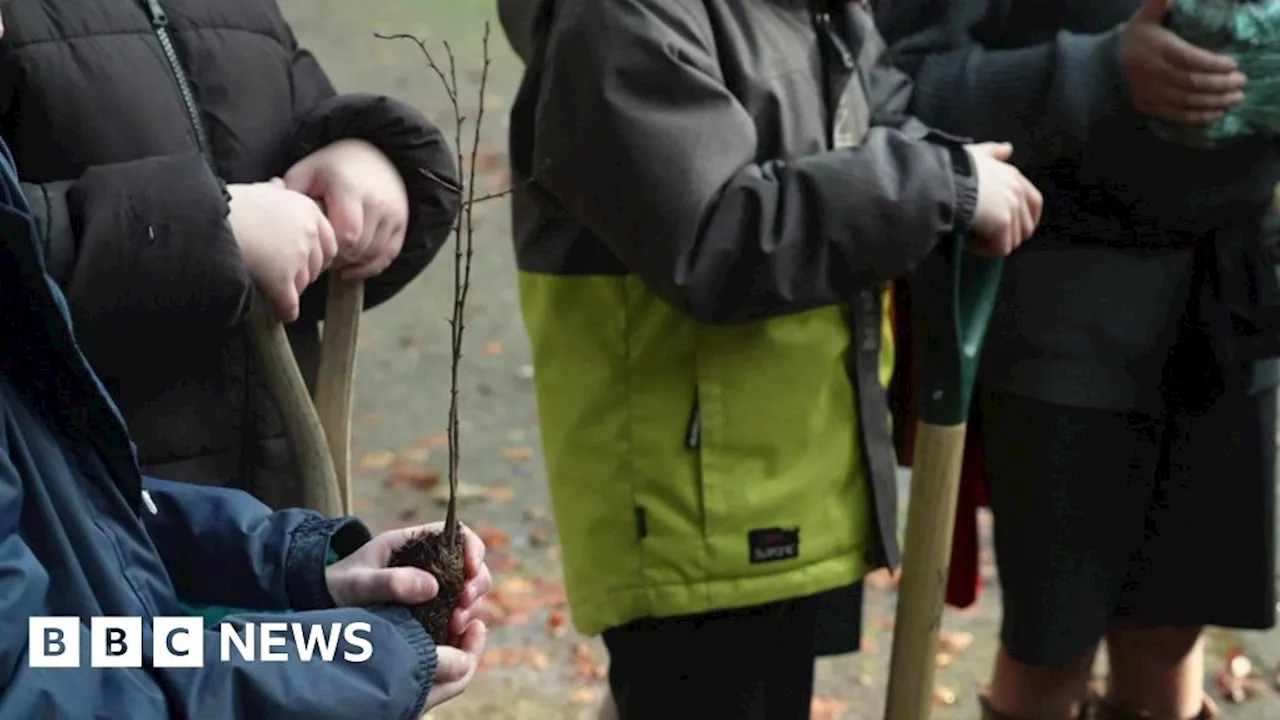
[432,552]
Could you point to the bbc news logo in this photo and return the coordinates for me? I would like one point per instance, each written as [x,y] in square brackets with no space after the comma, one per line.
[178,642]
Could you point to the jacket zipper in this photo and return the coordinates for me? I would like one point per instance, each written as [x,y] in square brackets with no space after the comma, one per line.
[160,26]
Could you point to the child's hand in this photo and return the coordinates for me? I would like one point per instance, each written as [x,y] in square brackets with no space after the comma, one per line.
[365,199]
[1008,204]
[285,239]
[363,578]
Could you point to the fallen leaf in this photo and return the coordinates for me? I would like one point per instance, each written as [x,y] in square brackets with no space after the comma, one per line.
[498,493]
[538,660]
[542,536]
[884,624]
[466,493]
[520,599]
[585,664]
[411,476]
[521,452]
[515,657]
[944,696]
[416,455]
[954,642]
[1238,664]
[378,460]
[502,658]
[439,441]
[557,623]
[1237,680]
[1231,688]
[944,660]
[825,708]
[582,696]
[502,562]
[869,645]
[493,349]
[537,512]
[494,539]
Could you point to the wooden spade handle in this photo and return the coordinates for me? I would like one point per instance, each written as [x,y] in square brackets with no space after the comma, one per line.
[931,518]
[335,380]
[319,433]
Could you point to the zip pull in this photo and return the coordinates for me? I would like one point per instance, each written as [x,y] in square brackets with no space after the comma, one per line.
[693,436]
[159,18]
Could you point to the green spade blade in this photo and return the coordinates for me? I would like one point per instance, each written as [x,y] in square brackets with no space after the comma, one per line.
[954,295]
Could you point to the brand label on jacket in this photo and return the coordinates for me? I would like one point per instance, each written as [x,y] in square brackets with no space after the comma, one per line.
[771,544]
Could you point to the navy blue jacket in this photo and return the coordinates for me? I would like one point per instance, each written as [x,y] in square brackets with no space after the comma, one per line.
[77,538]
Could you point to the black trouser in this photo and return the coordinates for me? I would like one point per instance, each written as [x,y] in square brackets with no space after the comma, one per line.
[749,664]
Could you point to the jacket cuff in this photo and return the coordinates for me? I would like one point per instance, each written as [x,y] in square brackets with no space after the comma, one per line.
[309,546]
[425,648]
[964,179]
[1097,74]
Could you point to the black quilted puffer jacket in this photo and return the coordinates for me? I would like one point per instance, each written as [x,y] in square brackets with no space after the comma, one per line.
[127,118]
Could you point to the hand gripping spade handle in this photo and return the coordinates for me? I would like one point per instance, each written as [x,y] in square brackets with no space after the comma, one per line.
[954,294]
[319,432]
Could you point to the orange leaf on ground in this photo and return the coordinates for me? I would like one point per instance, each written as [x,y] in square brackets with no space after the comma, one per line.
[884,624]
[944,660]
[520,599]
[494,539]
[498,493]
[378,460]
[439,441]
[415,455]
[502,562]
[1231,688]
[585,665]
[583,696]
[414,477]
[493,349]
[557,623]
[825,708]
[944,696]
[954,642]
[515,657]
[869,645]
[521,452]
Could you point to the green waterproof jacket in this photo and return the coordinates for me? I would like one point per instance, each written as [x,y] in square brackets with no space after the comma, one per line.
[711,196]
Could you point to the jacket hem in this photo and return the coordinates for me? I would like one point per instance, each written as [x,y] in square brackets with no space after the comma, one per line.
[593,614]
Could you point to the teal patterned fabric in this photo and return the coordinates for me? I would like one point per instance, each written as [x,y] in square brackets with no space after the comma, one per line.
[1249,31]
[213,614]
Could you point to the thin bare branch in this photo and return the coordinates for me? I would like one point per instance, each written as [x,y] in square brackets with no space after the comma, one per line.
[463,231]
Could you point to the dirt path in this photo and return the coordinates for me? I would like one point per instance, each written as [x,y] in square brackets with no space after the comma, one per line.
[537,667]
